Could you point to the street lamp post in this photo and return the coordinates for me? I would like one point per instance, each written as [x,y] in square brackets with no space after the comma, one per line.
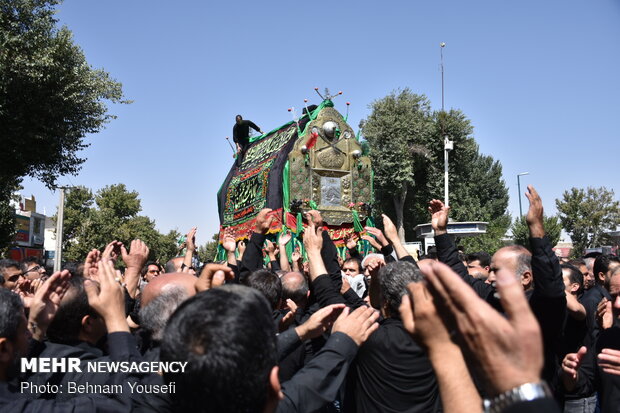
[448,145]
[519,188]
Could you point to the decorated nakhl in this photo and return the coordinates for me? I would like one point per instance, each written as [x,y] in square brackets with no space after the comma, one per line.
[315,161]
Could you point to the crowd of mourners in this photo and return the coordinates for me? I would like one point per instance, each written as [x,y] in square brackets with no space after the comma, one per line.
[386,332]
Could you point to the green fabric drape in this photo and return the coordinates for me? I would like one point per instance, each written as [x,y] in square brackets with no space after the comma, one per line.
[286,201]
[357,225]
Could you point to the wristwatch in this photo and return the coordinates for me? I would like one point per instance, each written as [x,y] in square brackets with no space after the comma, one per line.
[523,393]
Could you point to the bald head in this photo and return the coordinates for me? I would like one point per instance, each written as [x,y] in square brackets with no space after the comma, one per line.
[295,287]
[174,265]
[164,282]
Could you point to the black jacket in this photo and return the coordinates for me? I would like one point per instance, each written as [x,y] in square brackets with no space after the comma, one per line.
[122,347]
[391,373]
[547,299]
[241,131]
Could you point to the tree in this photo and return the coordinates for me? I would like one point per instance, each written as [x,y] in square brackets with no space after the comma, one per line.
[586,215]
[397,125]
[92,221]
[521,232]
[407,150]
[208,251]
[50,97]
[8,227]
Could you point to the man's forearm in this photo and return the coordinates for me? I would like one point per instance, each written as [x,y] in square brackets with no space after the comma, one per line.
[284,264]
[231,258]
[546,271]
[132,279]
[458,393]
[187,260]
[399,248]
[315,261]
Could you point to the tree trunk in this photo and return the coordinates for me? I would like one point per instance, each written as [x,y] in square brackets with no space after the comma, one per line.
[399,206]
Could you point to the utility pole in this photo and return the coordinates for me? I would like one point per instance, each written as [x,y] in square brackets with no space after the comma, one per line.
[59,223]
[448,145]
[519,189]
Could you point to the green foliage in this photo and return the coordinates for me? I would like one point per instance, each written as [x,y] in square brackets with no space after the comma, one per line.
[92,221]
[397,122]
[208,251]
[8,227]
[407,142]
[586,215]
[521,232]
[397,132]
[50,97]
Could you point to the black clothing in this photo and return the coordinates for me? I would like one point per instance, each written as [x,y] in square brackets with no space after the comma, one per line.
[241,132]
[326,294]
[575,332]
[608,384]
[590,300]
[310,389]
[318,383]
[547,299]
[591,377]
[587,371]
[252,257]
[546,405]
[391,373]
[122,347]
[82,350]
[387,253]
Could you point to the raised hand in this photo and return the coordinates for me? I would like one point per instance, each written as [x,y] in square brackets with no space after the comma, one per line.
[270,247]
[136,256]
[112,251]
[422,320]
[286,321]
[372,242]
[91,265]
[315,217]
[534,216]
[390,229]
[45,303]
[313,238]
[191,239]
[439,216]
[358,325]
[319,322]
[570,368]
[604,316]
[378,234]
[351,241]
[23,288]
[108,299]
[229,243]
[284,239]
[609,361]
[296,255]
[506,350]
[374,265]
[264,220]
[241,248]
[213,275]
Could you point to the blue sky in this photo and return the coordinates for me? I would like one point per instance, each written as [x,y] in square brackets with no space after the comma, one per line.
[540,81]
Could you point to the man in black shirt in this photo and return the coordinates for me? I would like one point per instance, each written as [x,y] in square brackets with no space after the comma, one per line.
[241,133]
[227,336]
